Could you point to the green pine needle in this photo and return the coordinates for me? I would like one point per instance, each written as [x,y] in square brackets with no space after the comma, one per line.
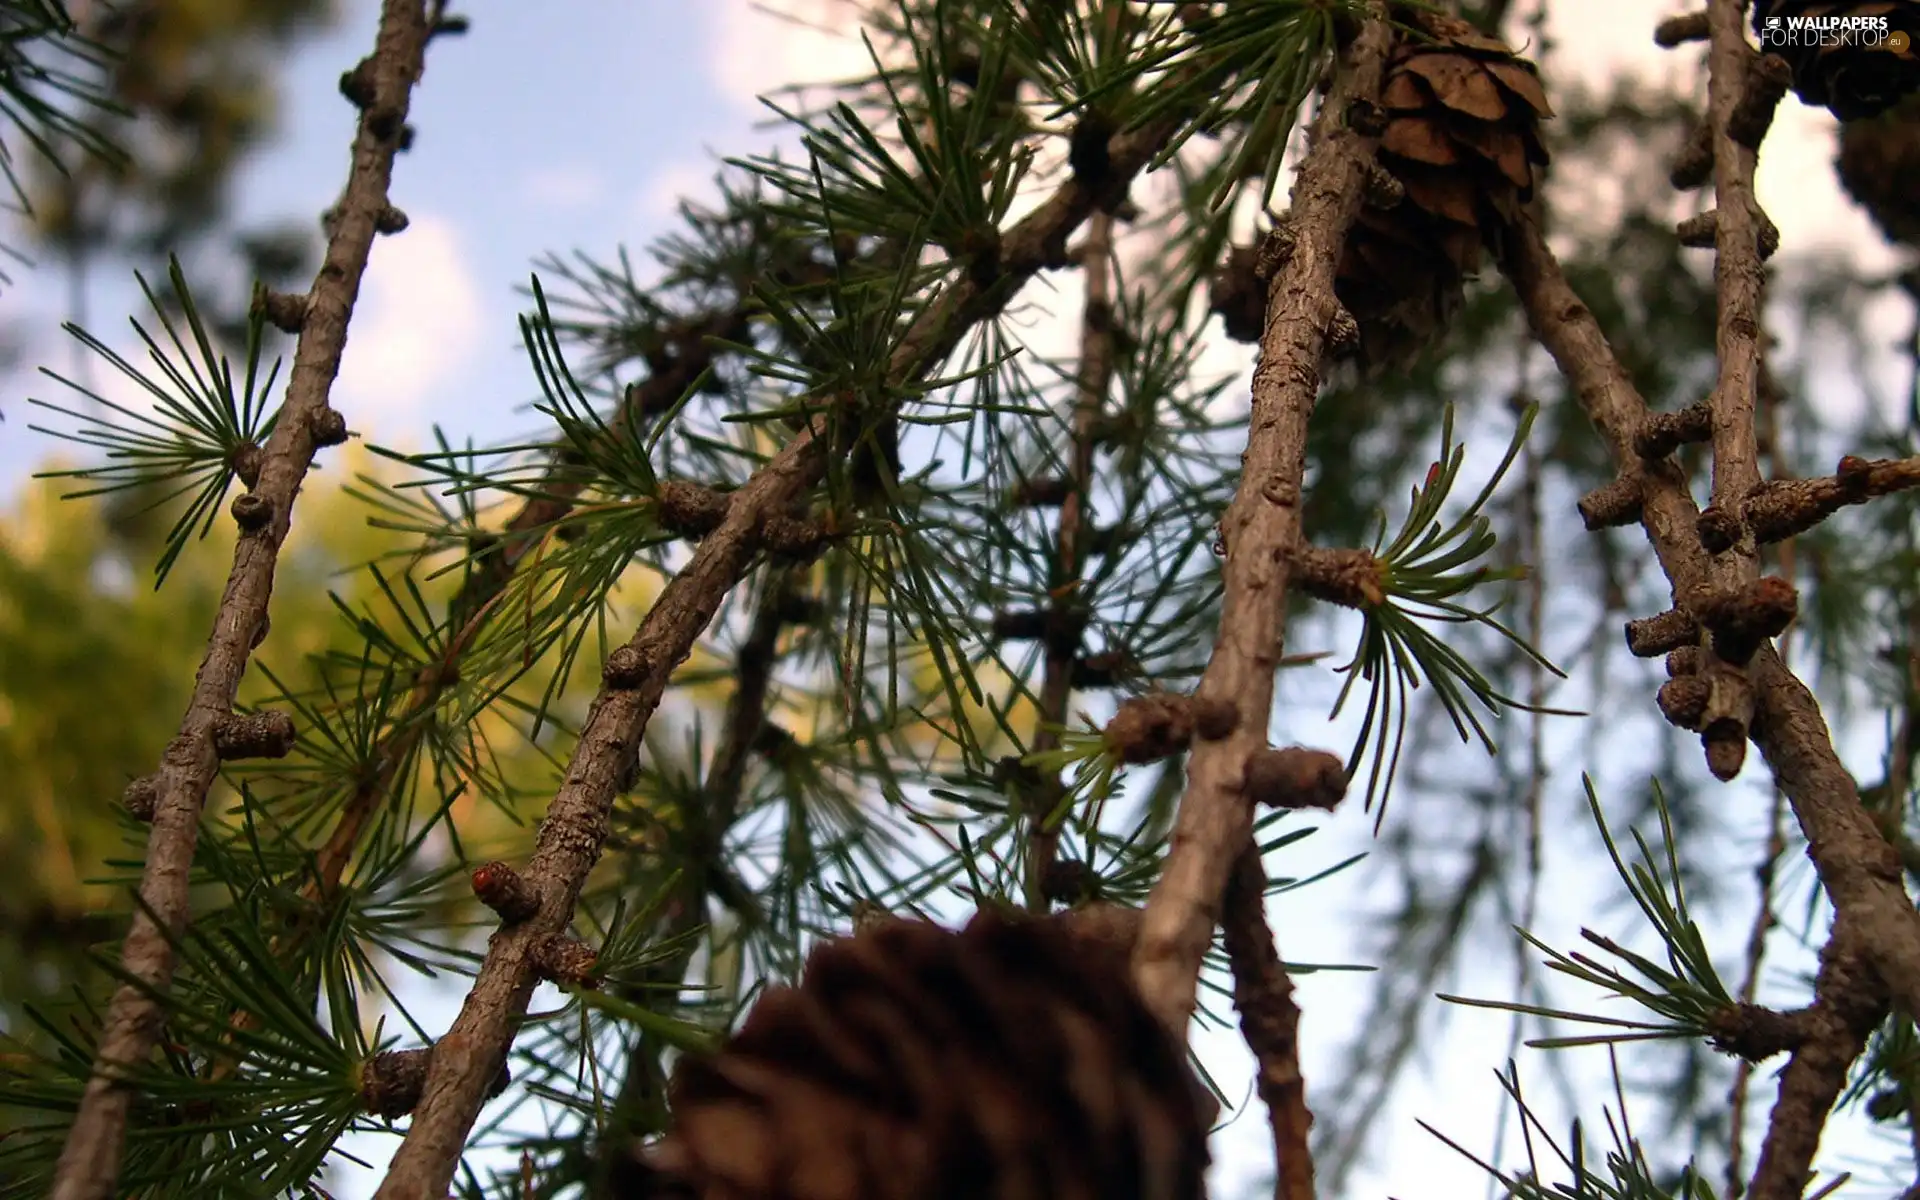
[1423,569]
[1686,992]
[200,421]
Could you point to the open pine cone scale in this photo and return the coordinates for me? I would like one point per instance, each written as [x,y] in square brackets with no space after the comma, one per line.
[1462,138]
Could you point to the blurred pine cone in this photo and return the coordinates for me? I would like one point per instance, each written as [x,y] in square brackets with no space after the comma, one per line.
[1239,295]
[1854,76]
[1011,1059]
[1879,164]
[1462,140]
[1459,158]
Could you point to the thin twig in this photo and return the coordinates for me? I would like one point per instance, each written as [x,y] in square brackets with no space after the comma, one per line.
[1781,508]
[468,1057]
[719,805]
[524,532]
[1763,922]
[1270,1021]
[1530,520]
[90,1160]
[1261,525]
[1076,521]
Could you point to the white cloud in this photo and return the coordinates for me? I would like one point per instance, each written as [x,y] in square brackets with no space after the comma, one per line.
[810,41]
[416,326]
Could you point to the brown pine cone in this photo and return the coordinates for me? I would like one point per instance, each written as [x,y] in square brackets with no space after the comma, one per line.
[1011,1059]
[1879,164]
[1239,295]
[1462,140]
[1864,57]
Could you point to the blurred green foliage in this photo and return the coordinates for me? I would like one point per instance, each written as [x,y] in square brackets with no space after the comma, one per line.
[196,87]
[95,670]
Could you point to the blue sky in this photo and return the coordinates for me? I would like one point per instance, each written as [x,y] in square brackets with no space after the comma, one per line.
[555,127]
[549,128]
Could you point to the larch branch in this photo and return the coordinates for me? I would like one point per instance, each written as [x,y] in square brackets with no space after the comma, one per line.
[1858,868]
[1261,528]
[90,1160]
[551,503]
[1076,523]
[1270,1022]
[472,604]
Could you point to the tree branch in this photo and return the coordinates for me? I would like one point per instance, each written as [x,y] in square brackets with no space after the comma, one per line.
[1076,524]
[1859,869]
[1856,866]
[1261,526]
[642,1090]
[1874,945]
[575,828]
[1849,1001]
[524,532]
[90,1161]
[1270,1021]
[1781,508]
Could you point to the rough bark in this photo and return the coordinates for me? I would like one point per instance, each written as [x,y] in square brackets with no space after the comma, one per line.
[90,1161]
[1261,528]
